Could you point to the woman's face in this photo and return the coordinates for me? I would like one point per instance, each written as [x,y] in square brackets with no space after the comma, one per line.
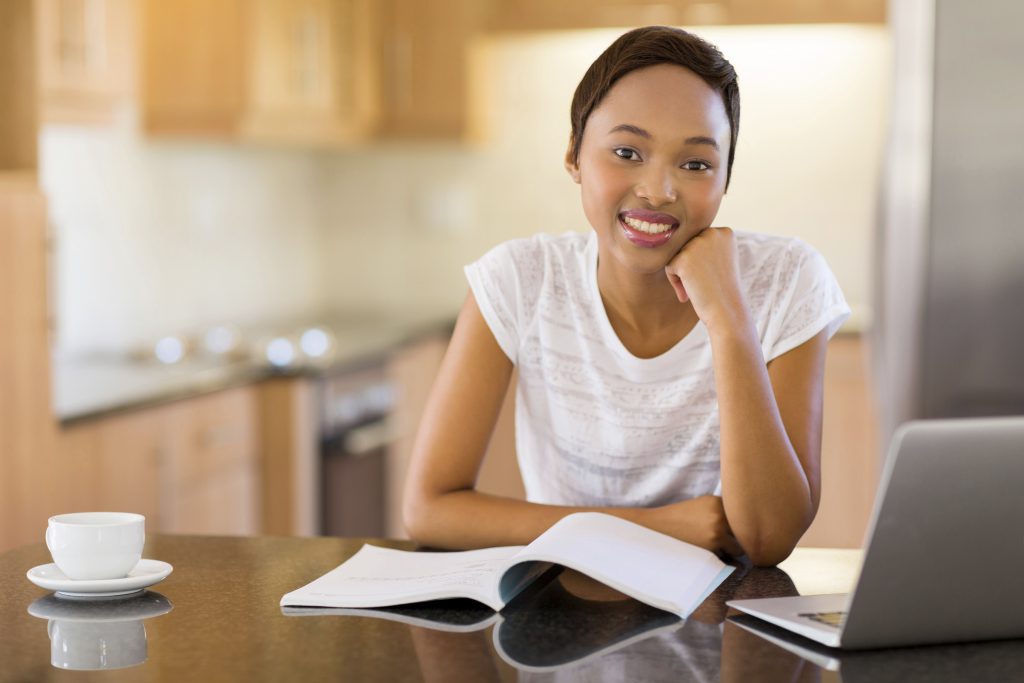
[652,165]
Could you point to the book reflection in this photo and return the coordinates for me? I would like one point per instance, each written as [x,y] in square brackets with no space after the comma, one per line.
[570,627]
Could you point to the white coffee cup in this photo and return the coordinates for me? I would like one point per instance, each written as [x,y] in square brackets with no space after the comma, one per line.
[84,645]
[96,545]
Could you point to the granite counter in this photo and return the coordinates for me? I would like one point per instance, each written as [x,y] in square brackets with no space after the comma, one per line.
[94,386]
[216,618]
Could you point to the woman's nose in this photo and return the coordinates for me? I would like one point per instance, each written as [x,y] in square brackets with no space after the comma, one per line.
[657,187]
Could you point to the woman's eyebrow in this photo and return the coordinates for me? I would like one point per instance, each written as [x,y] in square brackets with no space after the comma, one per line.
[628,128]
[702,140]
[637,130]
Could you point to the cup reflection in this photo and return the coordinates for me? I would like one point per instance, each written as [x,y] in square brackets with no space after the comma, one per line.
[98,633]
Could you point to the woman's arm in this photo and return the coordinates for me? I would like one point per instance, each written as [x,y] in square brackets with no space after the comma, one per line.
[770,442]
[770,416]
[441,507]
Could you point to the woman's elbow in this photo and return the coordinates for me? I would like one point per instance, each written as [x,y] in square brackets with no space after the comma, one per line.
[769,555]
[769,549]
[416,517]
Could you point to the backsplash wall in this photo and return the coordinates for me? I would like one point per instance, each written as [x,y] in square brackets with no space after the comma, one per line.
[157,237]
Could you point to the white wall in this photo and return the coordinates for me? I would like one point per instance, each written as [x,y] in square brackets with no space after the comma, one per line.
[152,238]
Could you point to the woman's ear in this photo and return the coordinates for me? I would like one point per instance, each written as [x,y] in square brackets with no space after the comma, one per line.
[571,166]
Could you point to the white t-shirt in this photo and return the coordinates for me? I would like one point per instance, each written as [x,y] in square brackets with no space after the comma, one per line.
[597,426]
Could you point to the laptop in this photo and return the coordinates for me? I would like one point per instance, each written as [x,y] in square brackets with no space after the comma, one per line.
[944,557]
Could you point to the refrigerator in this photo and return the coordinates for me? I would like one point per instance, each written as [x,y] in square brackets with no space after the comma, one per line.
[948,332]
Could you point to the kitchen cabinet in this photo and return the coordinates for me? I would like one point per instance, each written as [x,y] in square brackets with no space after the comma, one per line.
[27,467]
[193,71]
[291,459]
[317,72]
[309,79]
[294,71]
[539,15]
[192,466]
[86,57]
[209,465]
[423,68]
[18,88]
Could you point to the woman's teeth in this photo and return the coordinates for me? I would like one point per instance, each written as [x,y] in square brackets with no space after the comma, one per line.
[649,228]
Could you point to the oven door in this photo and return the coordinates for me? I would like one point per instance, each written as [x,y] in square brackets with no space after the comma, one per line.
[355,480]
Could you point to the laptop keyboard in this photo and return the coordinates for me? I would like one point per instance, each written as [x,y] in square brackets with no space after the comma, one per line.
[833,619]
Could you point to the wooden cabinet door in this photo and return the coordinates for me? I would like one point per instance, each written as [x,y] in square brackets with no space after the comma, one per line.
[193,76]
[28,471]
[86,56]
[210,465]
[423,70]
[307,70]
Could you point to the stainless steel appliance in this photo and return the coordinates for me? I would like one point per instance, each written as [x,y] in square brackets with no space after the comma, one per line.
[949,323]
[354,438]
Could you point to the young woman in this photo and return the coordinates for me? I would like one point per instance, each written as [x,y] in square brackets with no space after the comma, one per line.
[669,372]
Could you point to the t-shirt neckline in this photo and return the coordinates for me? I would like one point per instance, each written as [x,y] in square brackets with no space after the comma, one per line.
[691,340]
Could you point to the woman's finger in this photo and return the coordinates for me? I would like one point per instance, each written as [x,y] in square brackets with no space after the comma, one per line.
[677,285]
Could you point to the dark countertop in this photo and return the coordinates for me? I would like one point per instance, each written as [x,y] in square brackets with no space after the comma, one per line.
[225,625]
[89,387]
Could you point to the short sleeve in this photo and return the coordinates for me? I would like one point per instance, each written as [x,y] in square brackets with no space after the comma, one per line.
[807,300]
[494,281]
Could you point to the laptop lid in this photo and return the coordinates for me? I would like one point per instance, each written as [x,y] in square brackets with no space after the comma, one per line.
[945,554]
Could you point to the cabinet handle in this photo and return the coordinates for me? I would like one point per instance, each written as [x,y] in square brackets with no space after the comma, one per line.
[403,69]
[306,55]
[365,440]
[219,436]
[81,34]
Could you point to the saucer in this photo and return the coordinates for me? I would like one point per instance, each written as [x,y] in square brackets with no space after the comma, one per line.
[146,573]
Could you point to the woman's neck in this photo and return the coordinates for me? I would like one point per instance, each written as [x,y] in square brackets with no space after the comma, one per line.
[643,309]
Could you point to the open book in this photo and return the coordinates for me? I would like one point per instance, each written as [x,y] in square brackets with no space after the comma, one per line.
[654,568]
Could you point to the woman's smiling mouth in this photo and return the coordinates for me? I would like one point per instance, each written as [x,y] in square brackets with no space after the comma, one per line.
[647,228]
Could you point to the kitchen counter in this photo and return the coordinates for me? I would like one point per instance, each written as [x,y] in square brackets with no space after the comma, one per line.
[216,618]
[95,386]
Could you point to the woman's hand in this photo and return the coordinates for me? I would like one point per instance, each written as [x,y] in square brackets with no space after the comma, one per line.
[700,521]
[705,272]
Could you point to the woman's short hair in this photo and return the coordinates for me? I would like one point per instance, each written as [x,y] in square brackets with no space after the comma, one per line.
[649,46]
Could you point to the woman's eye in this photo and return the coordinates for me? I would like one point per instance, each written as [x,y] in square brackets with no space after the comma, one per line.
[696,165]
[626,153]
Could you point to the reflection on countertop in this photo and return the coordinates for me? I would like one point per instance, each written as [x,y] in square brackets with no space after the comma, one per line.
[104,633]
[95,385]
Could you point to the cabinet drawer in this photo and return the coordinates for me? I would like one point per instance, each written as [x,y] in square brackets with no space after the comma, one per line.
[210,435]
[227,504]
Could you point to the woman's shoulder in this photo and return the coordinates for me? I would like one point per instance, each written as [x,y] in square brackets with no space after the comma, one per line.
[778,256]
[763,247]
[532,258]
[544,245]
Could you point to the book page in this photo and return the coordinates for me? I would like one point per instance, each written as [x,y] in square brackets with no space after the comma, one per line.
[649,566]
[380,577]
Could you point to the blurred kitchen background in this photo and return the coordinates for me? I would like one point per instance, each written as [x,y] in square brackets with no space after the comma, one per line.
[232,231]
